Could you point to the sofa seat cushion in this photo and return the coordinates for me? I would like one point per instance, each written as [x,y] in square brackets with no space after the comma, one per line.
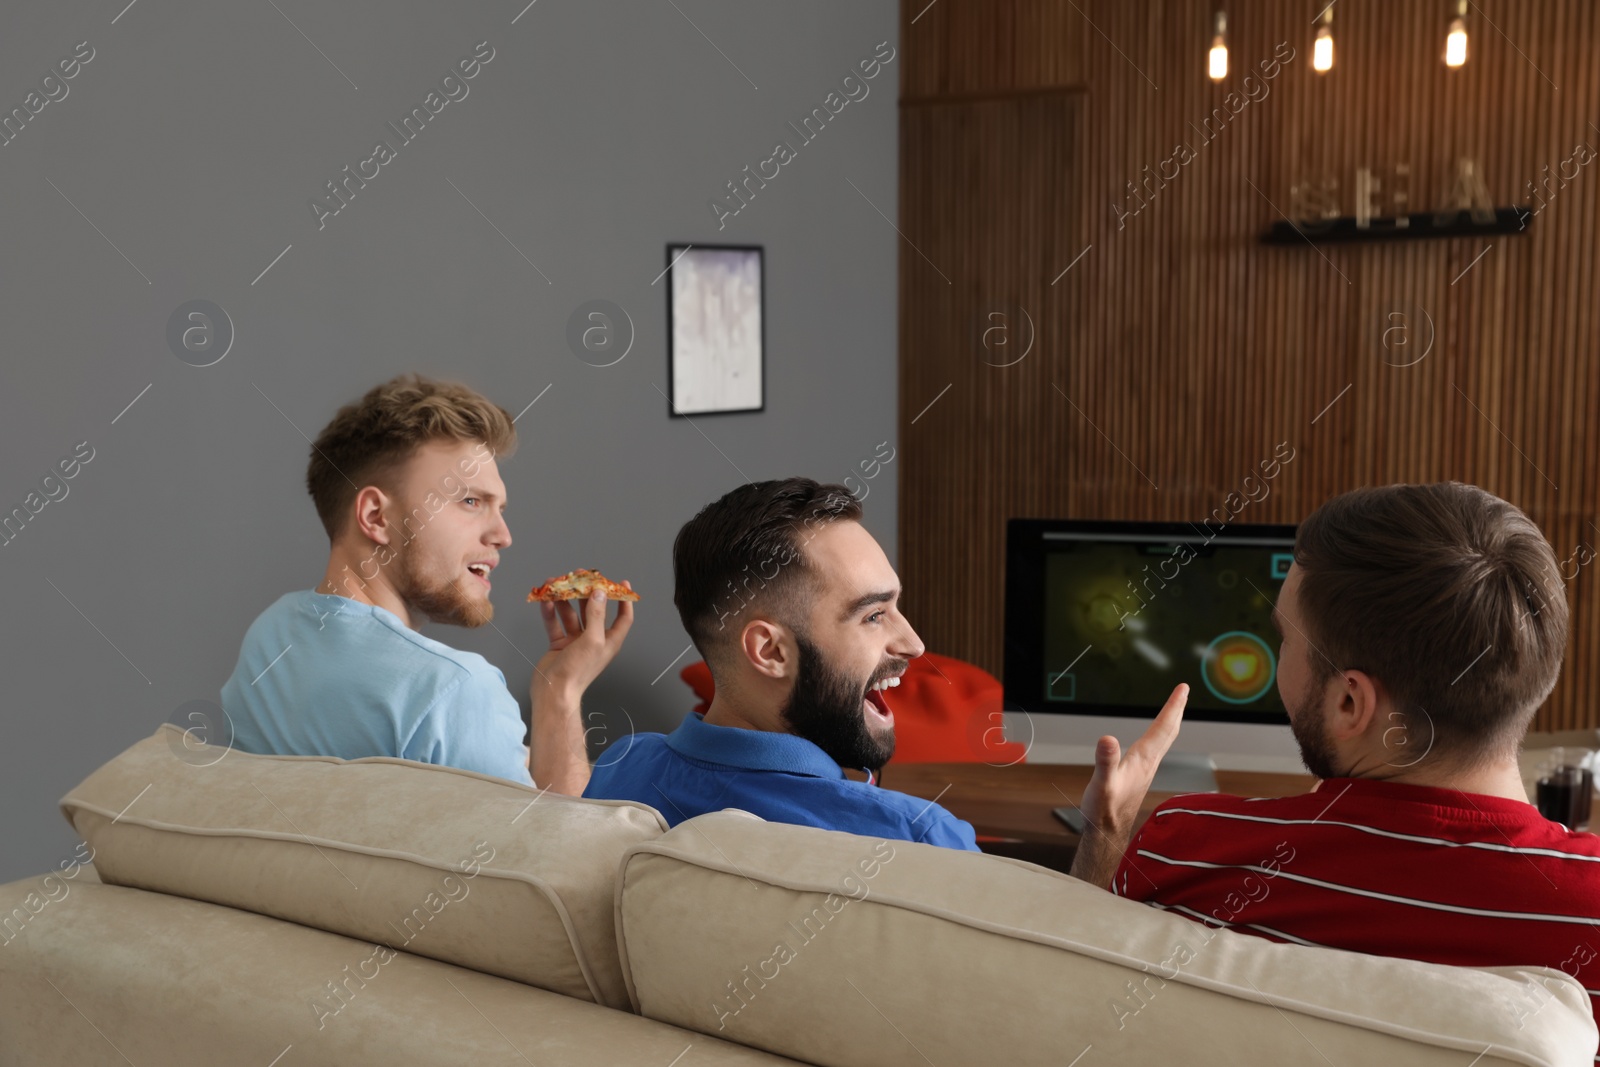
[844,950]
[458,866]
[108,976]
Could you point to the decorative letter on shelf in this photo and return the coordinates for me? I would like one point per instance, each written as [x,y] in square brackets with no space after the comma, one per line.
[1466,209]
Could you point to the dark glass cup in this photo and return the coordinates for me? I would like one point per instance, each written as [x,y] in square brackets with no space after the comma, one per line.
[1564,794]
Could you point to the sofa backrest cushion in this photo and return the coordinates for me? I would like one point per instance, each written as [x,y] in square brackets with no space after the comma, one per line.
[463,867]
[843,950]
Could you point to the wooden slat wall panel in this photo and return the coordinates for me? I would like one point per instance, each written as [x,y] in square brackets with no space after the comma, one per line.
[1179,350]
[975,47]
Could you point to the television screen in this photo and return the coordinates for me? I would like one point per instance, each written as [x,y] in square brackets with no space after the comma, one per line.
[1106,618]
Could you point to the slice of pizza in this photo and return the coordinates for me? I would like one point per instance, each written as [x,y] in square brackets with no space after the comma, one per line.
[578,584]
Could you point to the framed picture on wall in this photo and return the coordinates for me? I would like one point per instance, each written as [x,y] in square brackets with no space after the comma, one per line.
[716,329]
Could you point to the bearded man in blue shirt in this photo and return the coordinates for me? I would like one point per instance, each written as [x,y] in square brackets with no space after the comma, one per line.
[796,610]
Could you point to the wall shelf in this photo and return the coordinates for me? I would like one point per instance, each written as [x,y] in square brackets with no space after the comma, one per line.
[1508,221]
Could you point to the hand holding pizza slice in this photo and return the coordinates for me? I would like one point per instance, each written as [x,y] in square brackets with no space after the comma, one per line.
[581,645]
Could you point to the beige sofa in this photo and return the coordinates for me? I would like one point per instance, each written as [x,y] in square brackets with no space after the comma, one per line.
[283,911]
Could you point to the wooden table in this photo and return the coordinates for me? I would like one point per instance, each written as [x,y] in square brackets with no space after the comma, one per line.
[1013,804]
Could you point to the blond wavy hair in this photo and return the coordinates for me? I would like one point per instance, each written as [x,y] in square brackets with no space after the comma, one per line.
[369,441]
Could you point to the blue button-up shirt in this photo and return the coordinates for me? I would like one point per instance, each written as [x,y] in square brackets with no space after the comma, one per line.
[780,777]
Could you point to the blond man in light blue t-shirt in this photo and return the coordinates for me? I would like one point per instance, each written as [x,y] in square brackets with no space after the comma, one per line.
[407,488]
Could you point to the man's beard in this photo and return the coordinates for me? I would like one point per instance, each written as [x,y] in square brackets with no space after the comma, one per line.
[824,707]
[1310,731]
[444,602]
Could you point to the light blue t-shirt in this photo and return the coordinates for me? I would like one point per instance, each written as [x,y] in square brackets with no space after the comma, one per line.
[323,675]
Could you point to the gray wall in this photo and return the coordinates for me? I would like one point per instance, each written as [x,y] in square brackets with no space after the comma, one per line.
[189,147]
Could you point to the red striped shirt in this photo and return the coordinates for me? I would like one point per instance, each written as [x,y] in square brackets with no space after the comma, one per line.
[1382,868]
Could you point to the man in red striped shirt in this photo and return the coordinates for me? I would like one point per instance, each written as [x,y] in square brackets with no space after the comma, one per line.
[1421,628]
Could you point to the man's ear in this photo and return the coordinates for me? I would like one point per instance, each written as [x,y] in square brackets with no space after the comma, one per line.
[768,647]
[1358,705]
[371,521]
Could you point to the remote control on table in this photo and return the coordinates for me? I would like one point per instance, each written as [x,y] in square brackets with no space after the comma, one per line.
[1073,817]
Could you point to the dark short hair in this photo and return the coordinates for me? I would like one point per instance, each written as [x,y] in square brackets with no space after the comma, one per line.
[1448,595]
[746,552]
[369,440]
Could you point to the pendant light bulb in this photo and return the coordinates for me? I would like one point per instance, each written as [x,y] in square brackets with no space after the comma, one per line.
[1322,47]
[1455,42]
[1218,58]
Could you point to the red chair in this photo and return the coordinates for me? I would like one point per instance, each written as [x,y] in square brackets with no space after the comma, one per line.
[945,711]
